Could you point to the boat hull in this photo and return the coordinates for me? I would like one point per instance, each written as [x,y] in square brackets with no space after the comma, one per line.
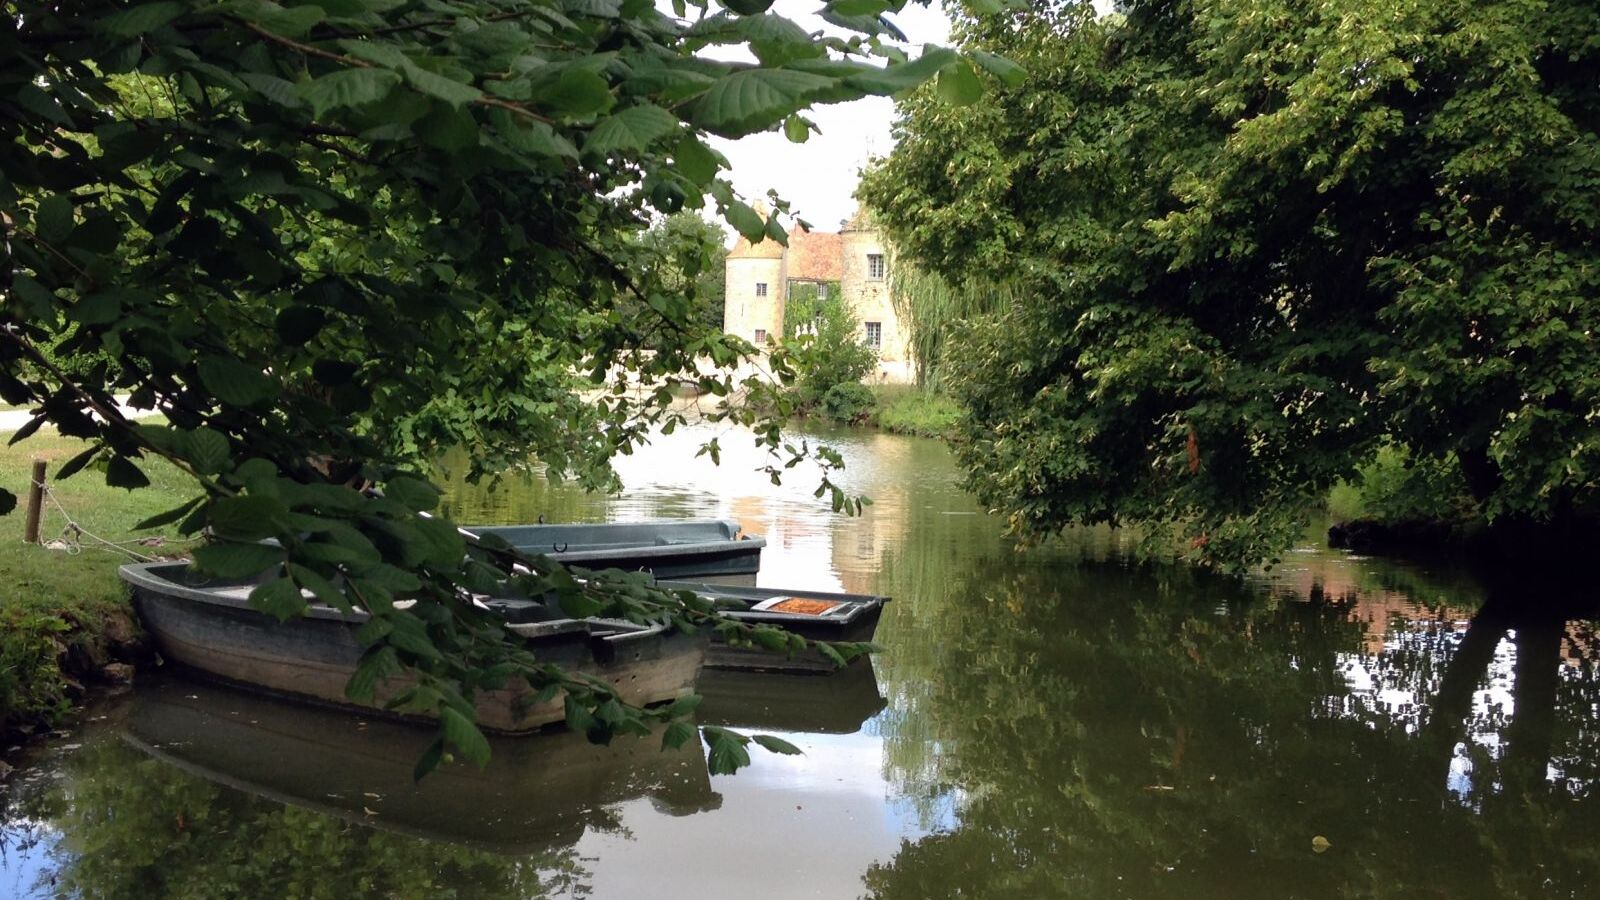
[709,550]
[858,626]
[314,657]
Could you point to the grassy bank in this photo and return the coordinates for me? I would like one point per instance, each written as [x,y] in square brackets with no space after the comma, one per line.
[63,615]
[903,409]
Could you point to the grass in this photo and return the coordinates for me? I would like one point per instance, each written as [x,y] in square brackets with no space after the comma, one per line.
[61,611]
[909,410]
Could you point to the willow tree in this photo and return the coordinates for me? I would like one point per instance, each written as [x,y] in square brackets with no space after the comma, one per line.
[325,240]
[1259,239]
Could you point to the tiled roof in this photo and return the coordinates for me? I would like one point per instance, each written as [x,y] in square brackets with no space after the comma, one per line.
[815,256]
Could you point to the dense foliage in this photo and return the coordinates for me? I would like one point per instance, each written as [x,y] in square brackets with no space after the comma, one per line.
[327,240]
[823,335]
[1256,240]
[686,257]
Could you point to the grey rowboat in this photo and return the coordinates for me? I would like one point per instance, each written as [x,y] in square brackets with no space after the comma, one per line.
[697,549]
[210,627]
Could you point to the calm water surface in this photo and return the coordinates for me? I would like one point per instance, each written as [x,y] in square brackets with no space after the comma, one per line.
[1050,724]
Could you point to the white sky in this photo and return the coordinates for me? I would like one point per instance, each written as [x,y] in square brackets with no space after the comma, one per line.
[819,176]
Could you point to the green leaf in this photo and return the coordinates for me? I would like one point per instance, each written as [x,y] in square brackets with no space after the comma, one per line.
[1004,69]
[207,450]
[796,129]
[170,516]
[676,734]
[248,518]
[443,87]
[75,464]
[319,586]
[531,136]
[348,87]
[959,85]
[409,634]
[746,221]
[234,382]
[278,90]
[280,598]
[635,128]
[443,545]
[292,22]
[465,736]
[832,655]
[776,745]
[669,85]
[726,752]
[429,760]
[99,308]
[578,716]
[53,222]
[299,323]
[859,7]
[235,561]
[684,705]
[32,425]
[377,664]
[122,473]
[755,99]
[412,493]
[579,94]
[696,161]
[905,76]
[140,18]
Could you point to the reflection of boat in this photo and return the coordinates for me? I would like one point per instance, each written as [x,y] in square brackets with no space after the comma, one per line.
[814,615]
[210,626]
[536,794]
[702,549]
[836,705]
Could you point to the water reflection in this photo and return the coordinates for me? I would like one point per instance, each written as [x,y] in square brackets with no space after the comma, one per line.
[1118,732]
[1056,723]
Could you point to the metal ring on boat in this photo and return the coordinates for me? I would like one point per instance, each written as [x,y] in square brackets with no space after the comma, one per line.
[562,548]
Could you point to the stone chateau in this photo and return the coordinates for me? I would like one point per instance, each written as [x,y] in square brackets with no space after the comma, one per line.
[761,277]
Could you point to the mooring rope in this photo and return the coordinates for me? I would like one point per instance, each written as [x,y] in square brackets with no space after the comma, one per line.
[72,531]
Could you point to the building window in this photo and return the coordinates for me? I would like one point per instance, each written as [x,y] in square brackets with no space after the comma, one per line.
[761,337]
[761,289]
[822,291]
[875,266]
[874,333]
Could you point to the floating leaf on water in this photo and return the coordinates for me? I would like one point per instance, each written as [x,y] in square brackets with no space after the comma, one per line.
[1320,844]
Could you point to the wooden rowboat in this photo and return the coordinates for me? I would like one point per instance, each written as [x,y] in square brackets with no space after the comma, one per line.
[697,549]
[814,615]
[210,627]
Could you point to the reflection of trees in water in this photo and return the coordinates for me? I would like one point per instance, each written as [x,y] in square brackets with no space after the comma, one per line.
[1152,732]
[136,827]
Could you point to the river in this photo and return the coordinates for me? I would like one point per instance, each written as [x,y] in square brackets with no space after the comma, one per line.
[1055,722]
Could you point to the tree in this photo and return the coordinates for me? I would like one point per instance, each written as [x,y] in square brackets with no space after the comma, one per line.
[689,254]
[1258,240]
[822,334]
[326,241]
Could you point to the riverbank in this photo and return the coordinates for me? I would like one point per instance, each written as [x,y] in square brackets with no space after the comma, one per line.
[903,409]
[895,408]
[64,620]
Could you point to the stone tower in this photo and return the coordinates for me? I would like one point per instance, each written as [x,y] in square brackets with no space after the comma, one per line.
[866,288]
[754,283]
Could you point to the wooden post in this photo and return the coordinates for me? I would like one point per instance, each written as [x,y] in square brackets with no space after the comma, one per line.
[30,528]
